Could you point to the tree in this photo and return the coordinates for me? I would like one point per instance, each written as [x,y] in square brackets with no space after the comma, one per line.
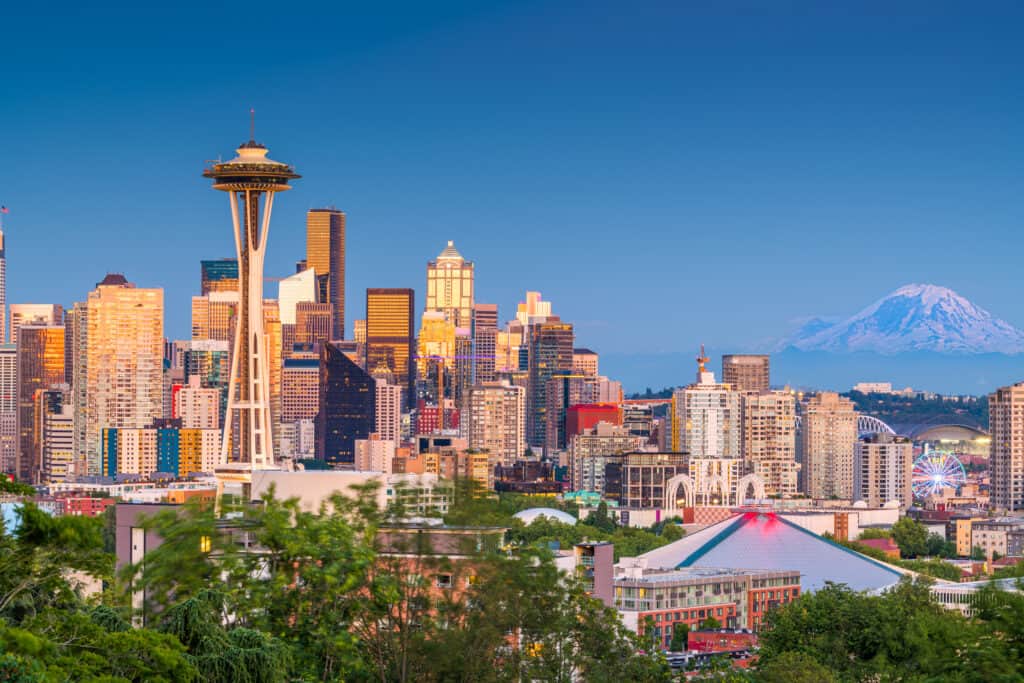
[793,667]
[680,634]
[911,536]
[936,546]
[600,518]
[710,624]
[870,533]
[977,554]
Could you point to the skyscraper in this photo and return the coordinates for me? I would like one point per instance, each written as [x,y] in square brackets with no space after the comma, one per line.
[34,314]
[3,286]
[707,418]
[389,336]
[247,178]
[769,440]
[827,444]
[1006,452]
[40,367]
[8,408]
[56,416]
[214,315]
[325,254]
[292,290]
[347,410]
[882,466]
[118,364]
[746,372]
[450,286]
[220,275]
[485,338]
[550,354]
[496,422]
[388,411]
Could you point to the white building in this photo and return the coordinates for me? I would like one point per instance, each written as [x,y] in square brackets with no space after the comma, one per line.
[198,408]
[882,466]
[375,454]
[707,419]
[389,411]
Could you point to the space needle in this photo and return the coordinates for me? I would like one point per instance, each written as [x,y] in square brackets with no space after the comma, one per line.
[251,180]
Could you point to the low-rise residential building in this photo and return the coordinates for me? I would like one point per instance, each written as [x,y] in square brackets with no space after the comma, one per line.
[661,598]
[992,535]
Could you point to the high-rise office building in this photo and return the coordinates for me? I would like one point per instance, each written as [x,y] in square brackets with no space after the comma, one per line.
[359,331]
[388,411]
[40,367]
[347,407]
[248,428]
[746,372]
[57,420]
[34,314]
[1006,451]
[389,336]
[8,408]
[496,420]
[585,362]
[118,364]
[450,286]
[293,290]
[484,333]
[882,466]
[325,254]
[3,286]
[300,388]
[312,322]
[550,354]
[828,439]
[213,315]
[769,440]
[707,418]
[210,361]
[219,275]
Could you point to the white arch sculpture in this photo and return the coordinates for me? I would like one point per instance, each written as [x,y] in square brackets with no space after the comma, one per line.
[710,484]
[672,485]
[749,481]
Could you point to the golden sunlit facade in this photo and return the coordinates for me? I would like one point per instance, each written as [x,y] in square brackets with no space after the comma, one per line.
[40,366]
[121,365]
[389,334]
[450,286]
[325,254]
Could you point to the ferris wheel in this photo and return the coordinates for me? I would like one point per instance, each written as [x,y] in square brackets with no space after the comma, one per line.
[934,471]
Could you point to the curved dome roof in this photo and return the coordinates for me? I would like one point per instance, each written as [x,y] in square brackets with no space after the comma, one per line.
[528,516]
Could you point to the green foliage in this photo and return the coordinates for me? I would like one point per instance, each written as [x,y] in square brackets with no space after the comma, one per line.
[793,667]
[15,488]
[680,634]
[911,536]
[935,568]
[871,533]
[977,554]
[710,624]
[914,410]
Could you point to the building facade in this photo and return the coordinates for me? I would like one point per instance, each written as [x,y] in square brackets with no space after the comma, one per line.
[882,466]
[40,367]
[450,286]
[1006,457]
[325,254]
[550,354]
[347,407]
[746,372]
[827,444]
[769,440]
[390,336]
[496,420]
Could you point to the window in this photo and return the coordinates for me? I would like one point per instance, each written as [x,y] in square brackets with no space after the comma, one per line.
[443,581]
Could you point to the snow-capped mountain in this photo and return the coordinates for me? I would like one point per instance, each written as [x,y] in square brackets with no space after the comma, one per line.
[913,318]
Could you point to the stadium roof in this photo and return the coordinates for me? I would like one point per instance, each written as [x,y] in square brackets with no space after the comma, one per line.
[528,516]
[757,540]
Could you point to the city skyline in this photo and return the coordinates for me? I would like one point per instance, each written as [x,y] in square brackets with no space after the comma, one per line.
[682,142]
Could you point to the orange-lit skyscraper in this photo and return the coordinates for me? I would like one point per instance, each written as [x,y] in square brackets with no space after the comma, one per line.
[118,364]
[40,366]
[325,254]
[450,286]
[389,335]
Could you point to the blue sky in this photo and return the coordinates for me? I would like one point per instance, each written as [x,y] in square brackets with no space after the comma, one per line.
[666,173]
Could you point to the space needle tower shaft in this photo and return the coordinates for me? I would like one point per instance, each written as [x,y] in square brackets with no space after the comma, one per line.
[251,180]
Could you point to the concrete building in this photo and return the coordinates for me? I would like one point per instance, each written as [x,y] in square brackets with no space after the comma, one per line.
[993,535]
[375,454]
[213,315]
[826,446]
[550,354]
[1006,459]
[8,408]
[450,287]
[118,364]
[198,407]
[300,389]
[388,413]
[325,255]
[302,287]
[585,362]
[707,419]
[56,417]
[160,448]
[45,315]
[639,480]
[769,440]
[668,596]
[592,451]
[496,422]
[882,465]
[746,372]
[484,332]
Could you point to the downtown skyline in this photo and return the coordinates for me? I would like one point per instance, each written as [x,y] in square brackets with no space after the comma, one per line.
[677,176]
